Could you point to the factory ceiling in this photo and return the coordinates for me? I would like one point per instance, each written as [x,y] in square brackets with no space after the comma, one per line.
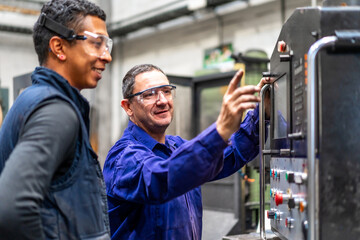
[121,28]
[23,8]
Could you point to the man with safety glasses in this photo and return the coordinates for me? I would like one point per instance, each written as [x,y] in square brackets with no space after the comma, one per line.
[152,179]
[51,184]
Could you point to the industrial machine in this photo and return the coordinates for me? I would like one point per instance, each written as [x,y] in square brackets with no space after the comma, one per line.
[315,126]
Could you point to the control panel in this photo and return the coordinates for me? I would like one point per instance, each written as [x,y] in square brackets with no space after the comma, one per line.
[314,127]
[287,212]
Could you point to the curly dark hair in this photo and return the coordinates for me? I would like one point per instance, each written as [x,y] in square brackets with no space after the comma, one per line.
[69,13]
[129,79]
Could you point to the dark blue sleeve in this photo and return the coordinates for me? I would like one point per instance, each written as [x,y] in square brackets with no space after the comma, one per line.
[244,145]
[134,173]
[47,141]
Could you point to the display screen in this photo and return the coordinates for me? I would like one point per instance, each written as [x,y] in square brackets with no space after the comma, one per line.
[280,108]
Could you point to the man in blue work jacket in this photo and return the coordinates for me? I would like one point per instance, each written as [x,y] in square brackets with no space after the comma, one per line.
[152,179]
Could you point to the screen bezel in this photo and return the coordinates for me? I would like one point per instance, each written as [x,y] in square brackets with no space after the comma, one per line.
[283,142]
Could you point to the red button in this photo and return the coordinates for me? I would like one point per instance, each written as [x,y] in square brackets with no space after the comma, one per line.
[281,47]
[278,199]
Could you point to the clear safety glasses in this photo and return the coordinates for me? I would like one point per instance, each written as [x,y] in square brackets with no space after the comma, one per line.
[95,44]
[152,95]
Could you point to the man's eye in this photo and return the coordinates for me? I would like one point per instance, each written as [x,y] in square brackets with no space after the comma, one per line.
[97,43]
[149,94]
[167,91]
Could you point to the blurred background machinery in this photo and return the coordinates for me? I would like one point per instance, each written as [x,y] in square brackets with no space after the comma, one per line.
[4,102]
[232,204]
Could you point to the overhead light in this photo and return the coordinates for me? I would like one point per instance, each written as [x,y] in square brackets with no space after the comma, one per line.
[194,5]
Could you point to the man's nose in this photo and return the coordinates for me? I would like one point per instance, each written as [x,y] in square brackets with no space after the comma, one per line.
[161,98]
[106,57]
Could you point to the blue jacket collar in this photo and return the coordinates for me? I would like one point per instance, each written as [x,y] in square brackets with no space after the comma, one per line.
[146,139]
[142,136]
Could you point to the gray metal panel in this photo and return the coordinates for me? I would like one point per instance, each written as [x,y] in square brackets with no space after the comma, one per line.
[339,163]
[279,184]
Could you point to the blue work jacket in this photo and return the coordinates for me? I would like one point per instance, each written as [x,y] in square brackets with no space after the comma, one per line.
[154,189]
[75,205]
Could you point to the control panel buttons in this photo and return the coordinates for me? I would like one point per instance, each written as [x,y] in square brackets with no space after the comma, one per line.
[302,206]
[281,198]
[297,178]
[289,222]
[275,173]
[297,202]
[277,215]
[300,178]
[305,227]
[288,194]
[274,191]
[291,203]
[271,214]
[278,199]
[290,177]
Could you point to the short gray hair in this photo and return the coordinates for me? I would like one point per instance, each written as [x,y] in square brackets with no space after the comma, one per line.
[129,79]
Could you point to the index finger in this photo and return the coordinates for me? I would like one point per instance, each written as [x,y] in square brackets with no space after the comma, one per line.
[265,80]
[235,81]
[248,89]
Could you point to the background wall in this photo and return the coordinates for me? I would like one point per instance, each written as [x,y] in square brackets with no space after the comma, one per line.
[177,46]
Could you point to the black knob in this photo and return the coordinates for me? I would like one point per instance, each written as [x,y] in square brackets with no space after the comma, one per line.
[291,177]
[270,214]
[291,203]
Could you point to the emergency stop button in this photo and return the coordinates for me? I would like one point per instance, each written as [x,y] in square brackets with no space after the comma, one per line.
[280,198]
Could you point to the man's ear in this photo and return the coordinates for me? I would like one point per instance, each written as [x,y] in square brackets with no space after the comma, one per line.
[56,45]
[126,105]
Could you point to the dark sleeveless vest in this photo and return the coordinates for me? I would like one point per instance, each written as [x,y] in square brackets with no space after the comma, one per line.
[76,204]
